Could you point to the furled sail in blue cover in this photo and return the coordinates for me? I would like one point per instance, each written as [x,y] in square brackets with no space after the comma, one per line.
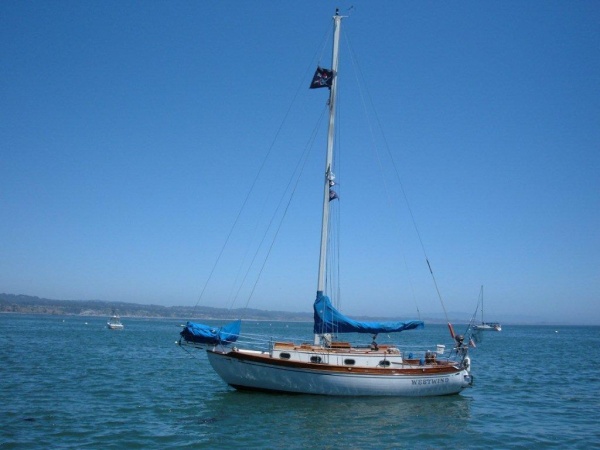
[204,334]
[330,320]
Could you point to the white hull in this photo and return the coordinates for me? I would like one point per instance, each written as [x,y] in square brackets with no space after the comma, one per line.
[260,373]
[114,323]
[486,327]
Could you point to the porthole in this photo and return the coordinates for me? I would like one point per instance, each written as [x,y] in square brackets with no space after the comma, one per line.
[349,362]
[384,363]
[315,359]
[284,356]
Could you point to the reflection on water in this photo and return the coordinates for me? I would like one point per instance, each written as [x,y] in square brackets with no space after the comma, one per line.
[298,418]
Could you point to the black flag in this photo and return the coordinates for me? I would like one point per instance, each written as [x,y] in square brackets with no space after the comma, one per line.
[322,78]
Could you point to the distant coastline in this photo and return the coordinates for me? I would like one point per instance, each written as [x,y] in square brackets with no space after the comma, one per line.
[28,304]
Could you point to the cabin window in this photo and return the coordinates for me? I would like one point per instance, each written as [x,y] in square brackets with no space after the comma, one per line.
[384,363]
[349,362]
[315,359]
[284,355]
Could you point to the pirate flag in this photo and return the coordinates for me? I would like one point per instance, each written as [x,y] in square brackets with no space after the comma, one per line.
[322,78]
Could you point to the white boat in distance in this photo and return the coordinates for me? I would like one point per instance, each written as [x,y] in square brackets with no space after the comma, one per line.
[486,326]
[326,366]
[114,322]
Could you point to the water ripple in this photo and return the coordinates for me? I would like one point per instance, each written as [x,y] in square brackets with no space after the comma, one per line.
[83,386]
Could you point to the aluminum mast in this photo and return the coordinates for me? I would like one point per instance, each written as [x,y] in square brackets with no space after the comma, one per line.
[337,20]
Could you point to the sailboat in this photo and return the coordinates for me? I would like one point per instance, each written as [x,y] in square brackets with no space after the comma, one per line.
[486,326]
[326,365]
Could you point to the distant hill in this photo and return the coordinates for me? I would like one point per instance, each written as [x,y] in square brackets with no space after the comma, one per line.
[26,304]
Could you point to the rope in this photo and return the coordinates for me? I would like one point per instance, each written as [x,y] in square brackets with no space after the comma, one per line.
[360,83]
[300,168]
[301,85]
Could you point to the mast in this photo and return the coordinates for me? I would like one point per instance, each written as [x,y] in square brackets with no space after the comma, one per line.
[482,322]
[329,176]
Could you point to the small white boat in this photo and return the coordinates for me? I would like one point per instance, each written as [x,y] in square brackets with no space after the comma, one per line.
[114,323]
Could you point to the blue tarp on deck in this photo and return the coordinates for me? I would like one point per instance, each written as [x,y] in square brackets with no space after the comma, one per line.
[204,334]
[330,320]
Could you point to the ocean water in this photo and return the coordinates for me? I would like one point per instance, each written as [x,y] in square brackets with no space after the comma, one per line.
[69,382]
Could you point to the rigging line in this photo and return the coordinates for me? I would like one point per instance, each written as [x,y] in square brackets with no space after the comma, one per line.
[195,355]
[337,210]
[300,88]
[360,83]
[233,297]
[300,169]
[412,217]
[333,261]
[474,316]
[254,182]
[333,275]
[324,41]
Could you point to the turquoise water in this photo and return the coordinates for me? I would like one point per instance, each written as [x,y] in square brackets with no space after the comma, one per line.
[69,382]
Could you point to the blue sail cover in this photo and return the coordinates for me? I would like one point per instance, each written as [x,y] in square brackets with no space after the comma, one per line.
[203,334]
[330,320]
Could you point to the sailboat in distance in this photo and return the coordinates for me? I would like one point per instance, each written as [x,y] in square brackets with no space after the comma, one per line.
[326,365]
[486,326]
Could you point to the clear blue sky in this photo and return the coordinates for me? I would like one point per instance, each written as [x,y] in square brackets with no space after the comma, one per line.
[130,133]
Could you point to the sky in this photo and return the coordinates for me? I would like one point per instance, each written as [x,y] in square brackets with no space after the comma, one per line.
[132,132]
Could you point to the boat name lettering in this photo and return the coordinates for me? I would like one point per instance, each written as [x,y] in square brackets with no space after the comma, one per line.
[434,381]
